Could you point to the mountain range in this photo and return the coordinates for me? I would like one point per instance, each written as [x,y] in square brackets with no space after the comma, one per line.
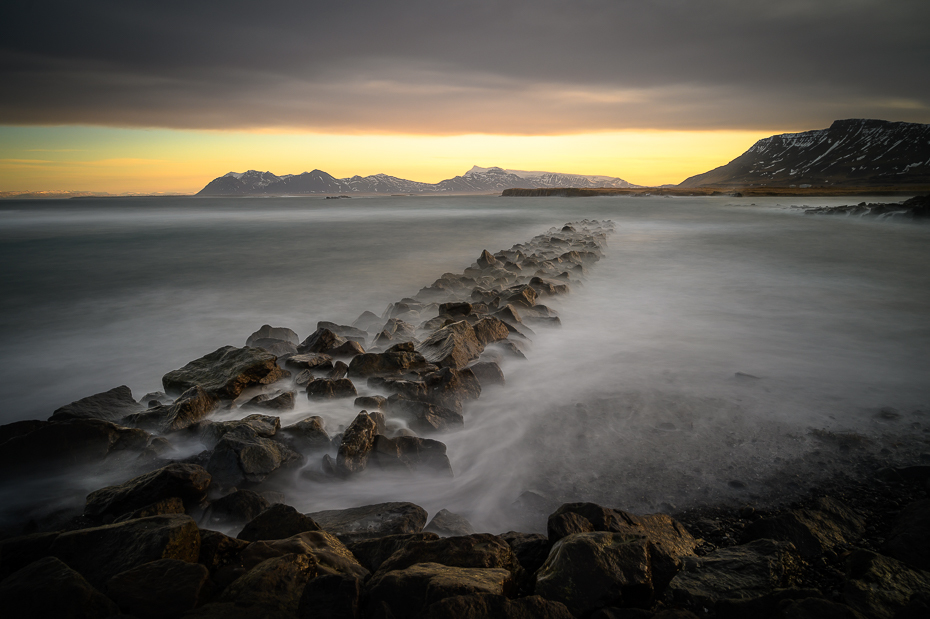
[850,153]
[476,180]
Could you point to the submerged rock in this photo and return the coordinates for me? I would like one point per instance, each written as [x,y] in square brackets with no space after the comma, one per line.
[112,405]
[225,372]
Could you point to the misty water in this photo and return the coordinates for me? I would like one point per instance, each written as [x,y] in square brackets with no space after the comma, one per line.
[697,363]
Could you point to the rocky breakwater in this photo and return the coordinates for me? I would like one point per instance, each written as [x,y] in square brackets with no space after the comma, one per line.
[914,209]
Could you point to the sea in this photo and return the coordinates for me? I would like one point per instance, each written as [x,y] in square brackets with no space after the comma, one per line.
[715,348]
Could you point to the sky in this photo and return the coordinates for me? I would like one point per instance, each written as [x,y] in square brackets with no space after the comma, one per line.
[139,96]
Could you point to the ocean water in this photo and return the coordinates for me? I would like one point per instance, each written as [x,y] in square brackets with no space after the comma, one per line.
[635,402]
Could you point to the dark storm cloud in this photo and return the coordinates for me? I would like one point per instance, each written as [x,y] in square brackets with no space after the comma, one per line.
[457,67]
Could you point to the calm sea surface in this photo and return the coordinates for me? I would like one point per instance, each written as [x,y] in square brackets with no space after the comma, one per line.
[831,314]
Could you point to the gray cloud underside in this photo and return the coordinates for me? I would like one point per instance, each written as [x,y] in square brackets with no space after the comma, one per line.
[518,67]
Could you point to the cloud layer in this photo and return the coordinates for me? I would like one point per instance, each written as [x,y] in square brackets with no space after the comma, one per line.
[509,67]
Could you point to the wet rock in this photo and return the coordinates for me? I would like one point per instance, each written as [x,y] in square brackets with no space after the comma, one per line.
[309,361]
[237,507]
[909,538]
[370,402]
[321,341]
[112,405]
[358,441]
[49,588]
[274,333]
[423,416]
[531,549]
[410,453]
[349,349]
[370,521]
[161,589]
[99,553]
[586,571]
[187,482]
[371,553]
[278,348]
[451,388]
[265,426]
[306,435]
[277,522]
[490,329]
[173,505]
[282,402]
[479,550]
[488,373]
[486,260]
[340,370]
[244,456]
[879,586]
[396,360]
[407,593]
[521,296]
[509,314]
[492,606]
[331,596]
[329,389]
[274,584]
[332,557]
[67,443]
[548,287]
[225,372]
[192,406]
[395,331]
[738,572]
[446,524]
[353,334]
[452,346]
[812,531]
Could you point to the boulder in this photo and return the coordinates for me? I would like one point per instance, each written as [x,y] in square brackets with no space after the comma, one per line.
[738,572]
[321,341]
[281,402]
[275,584]
[456,308]
[879,586]
[187,482]
[909,538]
[309,361]
[329,389]
[162,589]
[349,349]
[818,608]
[369,521]
[509,314]
[225,372]
[192,406]
[371,553]
[492,606]
[370,402]
[447,524]
[274,333]
[173,505]
[587,571]
[486,260]
[353,334]
[522,296]
[306,435]
[331,556]
[256,424]
[490,329]
[277,522]
[451,388]
[49,588]
[410,453]
[531,549]
[479,550]
[333,596]
[340,370]
[812,531]
[367,321]
[112,405]
[357,444]
[396,360]
[452,346]
[407,593]
[278,348]
[66,444]
[20,428]
[222,556]
[244,456]
[424,417]
[99,553]
[395,331]
[237,507]
[764,606]
[488,373]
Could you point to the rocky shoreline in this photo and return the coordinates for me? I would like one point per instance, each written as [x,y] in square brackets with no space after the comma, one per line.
[914,209]
[201,528]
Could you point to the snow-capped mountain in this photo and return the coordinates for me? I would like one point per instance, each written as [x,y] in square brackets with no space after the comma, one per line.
[855,152]
[476,180]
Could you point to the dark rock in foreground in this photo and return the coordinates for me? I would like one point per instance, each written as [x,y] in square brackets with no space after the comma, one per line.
[187,482]
[49,588]
[277,522]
